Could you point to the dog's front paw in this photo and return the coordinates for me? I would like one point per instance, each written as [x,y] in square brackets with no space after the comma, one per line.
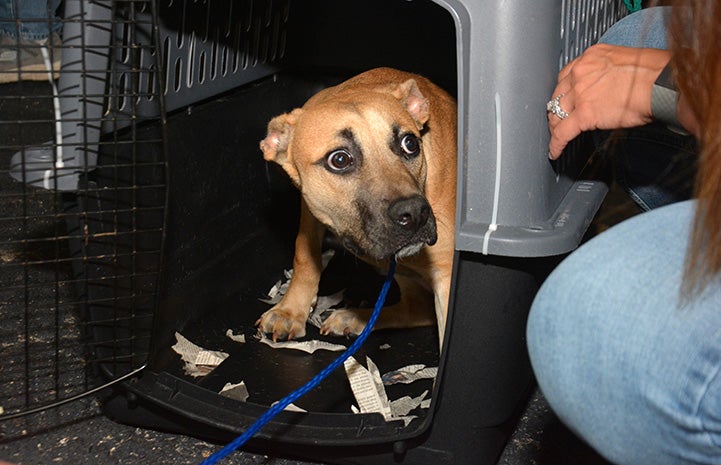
[343,323]
[282,323]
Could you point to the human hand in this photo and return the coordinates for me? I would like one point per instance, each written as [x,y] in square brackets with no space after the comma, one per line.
[607,87]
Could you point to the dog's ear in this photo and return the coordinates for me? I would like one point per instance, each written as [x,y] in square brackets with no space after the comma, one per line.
[275,144]
[280,128]
[414,101]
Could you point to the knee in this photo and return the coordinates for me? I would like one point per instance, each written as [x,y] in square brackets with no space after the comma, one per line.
[552,327]
[569,319]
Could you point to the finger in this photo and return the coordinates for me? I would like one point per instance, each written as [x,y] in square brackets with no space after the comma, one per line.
[568,101]
[566,104]
[566,70]
[564,87]
[562,133]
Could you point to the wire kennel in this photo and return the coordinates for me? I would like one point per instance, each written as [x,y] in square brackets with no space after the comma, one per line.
[82,189]
[151,212]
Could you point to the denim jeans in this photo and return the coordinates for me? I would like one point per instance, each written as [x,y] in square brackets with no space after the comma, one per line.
[646,28]
[622,360]
[627,363]
[28,19]
[655,165]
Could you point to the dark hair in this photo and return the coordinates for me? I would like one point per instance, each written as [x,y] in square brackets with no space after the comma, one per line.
[695,33]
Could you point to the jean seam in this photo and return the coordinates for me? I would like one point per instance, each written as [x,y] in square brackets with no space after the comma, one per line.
[706,393]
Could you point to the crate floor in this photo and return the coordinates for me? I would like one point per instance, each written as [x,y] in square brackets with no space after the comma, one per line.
[79,433]
[271,373]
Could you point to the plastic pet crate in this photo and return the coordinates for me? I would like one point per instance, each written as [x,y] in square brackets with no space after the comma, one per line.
[221,222]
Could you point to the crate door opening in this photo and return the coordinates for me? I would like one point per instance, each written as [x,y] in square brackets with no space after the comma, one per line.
[233,218]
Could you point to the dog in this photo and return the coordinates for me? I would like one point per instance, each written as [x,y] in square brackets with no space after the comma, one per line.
[375,161]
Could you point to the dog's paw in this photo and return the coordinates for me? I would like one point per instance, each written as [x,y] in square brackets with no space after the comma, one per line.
[282,323]
[343,323]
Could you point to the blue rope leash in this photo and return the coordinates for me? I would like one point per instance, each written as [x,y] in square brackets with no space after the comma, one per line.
[315,381]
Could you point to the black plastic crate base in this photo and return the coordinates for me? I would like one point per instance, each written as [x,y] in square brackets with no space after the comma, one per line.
[484,382]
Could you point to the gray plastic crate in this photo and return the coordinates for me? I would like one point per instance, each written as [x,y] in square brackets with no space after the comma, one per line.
[512,200]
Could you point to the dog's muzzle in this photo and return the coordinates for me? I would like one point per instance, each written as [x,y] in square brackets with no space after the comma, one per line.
[401,228]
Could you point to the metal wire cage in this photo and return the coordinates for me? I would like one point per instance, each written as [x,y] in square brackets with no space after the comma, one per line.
[83,189]
[82,201]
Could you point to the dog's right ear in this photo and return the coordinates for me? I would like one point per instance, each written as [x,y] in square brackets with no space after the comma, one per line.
[275,144]
[414,101]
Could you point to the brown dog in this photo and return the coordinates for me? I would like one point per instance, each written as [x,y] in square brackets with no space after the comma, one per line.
[375,160]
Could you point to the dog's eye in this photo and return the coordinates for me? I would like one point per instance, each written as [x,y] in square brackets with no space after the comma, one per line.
[410,145]
[339,161]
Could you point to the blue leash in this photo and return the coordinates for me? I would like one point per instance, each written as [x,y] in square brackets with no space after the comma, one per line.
[315,381]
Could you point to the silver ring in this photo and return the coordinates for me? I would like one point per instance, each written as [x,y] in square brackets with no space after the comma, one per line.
[554,106]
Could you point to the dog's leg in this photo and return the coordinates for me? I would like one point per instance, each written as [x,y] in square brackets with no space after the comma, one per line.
[288,317]
[414,309]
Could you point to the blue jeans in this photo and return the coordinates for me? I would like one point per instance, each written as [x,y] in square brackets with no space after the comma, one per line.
[36,19]
[626,364]
[653,164]
[646,28]
[624,361]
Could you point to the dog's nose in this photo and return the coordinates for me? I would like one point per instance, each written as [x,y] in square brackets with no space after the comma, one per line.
[410,213]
